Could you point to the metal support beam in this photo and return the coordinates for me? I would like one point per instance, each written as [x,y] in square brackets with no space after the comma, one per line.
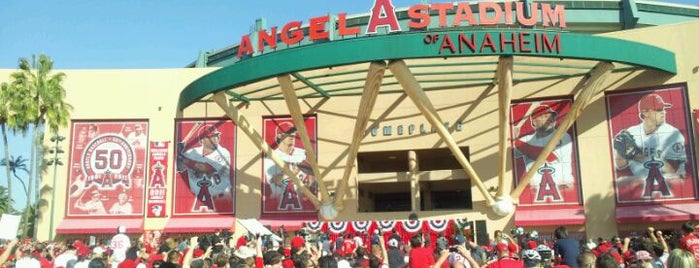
[311,84]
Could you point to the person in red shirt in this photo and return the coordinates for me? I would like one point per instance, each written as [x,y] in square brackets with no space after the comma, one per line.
[504,260]
[298,241]
[689,241]
[420,256]
[348,246]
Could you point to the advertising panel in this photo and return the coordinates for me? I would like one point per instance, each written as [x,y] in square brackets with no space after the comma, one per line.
[651,145]
[107,168]
[157,182]
[205,168]
[557,181]
[280,195]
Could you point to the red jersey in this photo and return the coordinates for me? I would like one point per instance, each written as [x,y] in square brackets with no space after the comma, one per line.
[348,246]
[506,263]
[421,257]
[690,243]
[297,242]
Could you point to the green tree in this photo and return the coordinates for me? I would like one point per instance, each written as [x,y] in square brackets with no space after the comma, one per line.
[5,93]
[5,201]
[40,103]
[17,164]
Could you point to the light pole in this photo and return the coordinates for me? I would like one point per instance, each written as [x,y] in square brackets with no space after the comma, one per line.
[55,162]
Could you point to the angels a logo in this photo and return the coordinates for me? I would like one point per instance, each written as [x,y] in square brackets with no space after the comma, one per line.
[204,202]
[158,178]
[108,161]
[547,187]
[290,198]
[655,182]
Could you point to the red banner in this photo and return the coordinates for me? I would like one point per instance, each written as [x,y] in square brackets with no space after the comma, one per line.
[157,184]
[651,145]
[280,195]
[205,167]
[107,161]
[556,182]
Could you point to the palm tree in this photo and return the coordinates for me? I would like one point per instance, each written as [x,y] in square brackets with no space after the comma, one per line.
[5,92]
[17,164]
[44,106]
[5,201]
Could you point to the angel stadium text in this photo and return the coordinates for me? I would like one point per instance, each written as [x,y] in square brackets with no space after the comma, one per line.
[490,42]
[384,16]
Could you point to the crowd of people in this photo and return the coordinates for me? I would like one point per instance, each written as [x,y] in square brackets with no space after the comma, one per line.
[652,249]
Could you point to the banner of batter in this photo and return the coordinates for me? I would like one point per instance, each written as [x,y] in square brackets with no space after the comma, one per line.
[532,124]
[651,145]
[107,168]
[204,168]
[280,195]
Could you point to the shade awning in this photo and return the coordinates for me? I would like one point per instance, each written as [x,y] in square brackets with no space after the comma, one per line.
[289,225]
[657,212]
[256,227]
[550,216]
[99,226]
[202,224]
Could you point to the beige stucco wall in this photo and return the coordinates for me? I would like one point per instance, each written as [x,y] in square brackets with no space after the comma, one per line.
[153,94]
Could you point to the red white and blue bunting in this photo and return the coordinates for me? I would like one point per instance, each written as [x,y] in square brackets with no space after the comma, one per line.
[438,225]
[337,227]
[404,228]
[314,226]
[386,226]
[361,226]
[412,226]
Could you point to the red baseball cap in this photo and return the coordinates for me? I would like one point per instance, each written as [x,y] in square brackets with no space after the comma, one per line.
[286,128]
[208,130]
[541,110]
[531,244]
[652,102]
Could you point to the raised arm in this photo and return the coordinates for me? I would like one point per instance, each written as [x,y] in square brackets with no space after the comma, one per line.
[8,250]
[193,243]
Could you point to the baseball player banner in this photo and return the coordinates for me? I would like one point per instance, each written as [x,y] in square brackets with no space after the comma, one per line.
[280,195]
[205,175]
[107,168]
[651,145]
[157,183]
[557,181]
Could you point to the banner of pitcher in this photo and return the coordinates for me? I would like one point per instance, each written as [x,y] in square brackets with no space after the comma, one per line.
[650,144]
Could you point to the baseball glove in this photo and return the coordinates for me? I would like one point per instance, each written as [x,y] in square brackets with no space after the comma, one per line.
[625,145]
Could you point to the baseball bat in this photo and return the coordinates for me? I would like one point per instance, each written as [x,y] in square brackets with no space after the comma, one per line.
[504,98]
[588,88]
[232,112]
[80,198]
[192,131]
[415,92]
[372,85]
[297,116]
[528,113]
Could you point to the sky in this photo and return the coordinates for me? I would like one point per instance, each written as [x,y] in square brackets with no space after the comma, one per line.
[132,34]
[136,34]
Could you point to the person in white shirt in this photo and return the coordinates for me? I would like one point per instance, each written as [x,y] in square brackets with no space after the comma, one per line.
[119,244]
[122,206]
[94,206]
[281,187]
